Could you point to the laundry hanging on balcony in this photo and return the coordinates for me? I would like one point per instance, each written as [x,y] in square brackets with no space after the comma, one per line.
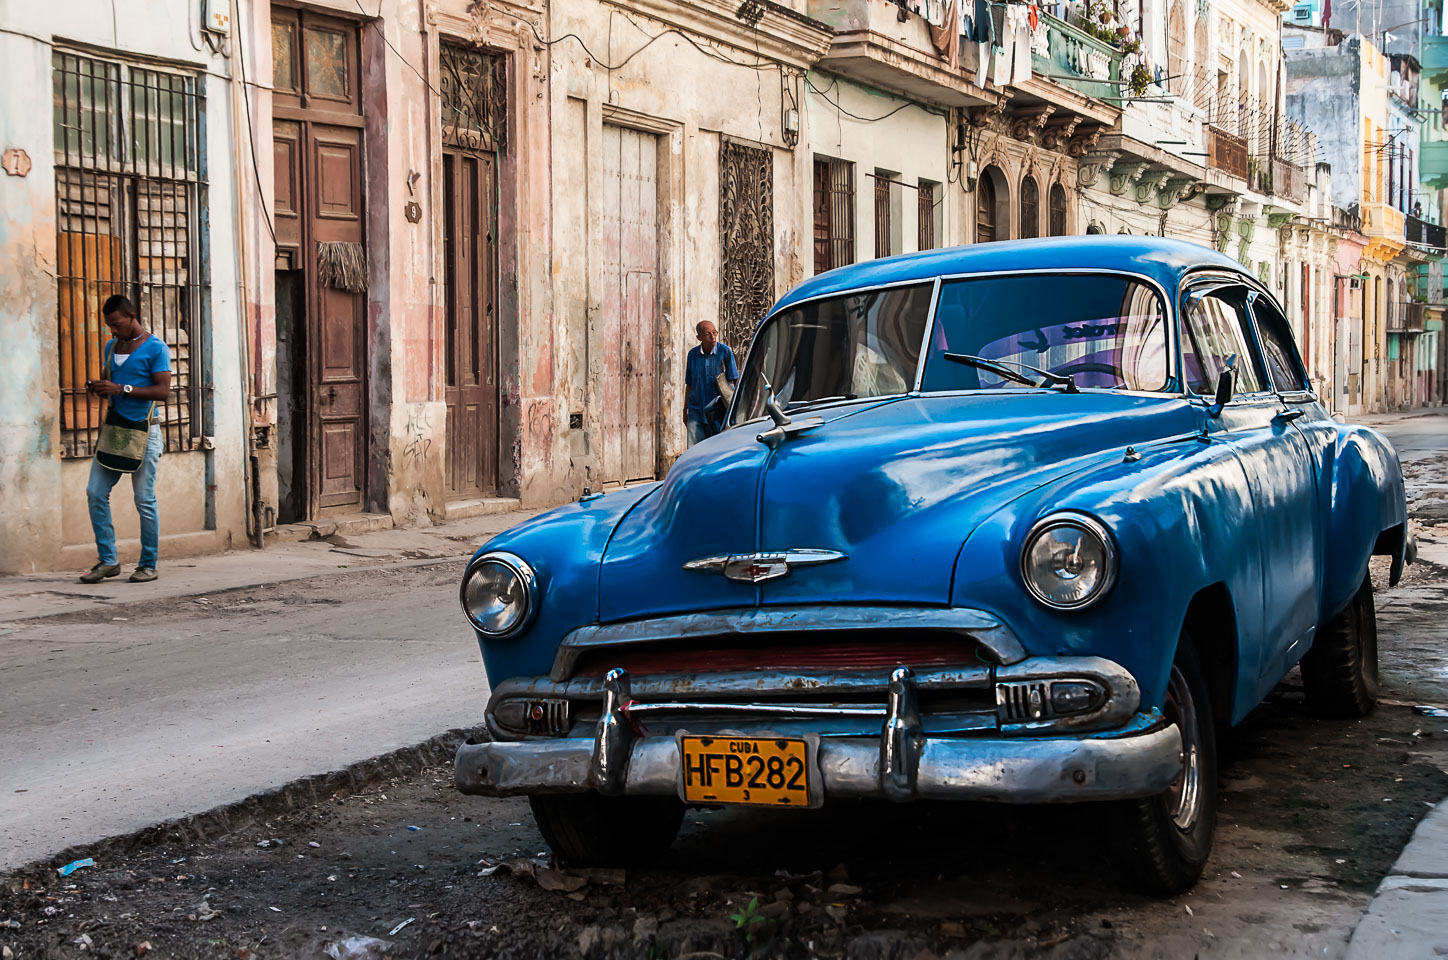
[946,37]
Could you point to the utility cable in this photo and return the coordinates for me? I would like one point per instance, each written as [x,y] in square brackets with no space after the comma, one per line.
[251,132]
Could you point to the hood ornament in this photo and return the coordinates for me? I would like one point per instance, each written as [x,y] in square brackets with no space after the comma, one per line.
[784,427]
[759,567]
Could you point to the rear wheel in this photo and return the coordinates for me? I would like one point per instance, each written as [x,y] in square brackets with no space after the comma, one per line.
[591,830]
[1166,838]
[1340,672]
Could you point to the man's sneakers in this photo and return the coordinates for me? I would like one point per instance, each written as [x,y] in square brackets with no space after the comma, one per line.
[100,571]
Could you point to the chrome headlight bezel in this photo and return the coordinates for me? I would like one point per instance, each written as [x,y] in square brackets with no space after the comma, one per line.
[1093,528]
[525,576]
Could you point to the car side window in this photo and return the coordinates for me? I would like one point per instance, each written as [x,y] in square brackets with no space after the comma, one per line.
[1276,336]
[1214,336]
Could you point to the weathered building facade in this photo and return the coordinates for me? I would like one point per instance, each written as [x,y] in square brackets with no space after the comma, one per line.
[116,125]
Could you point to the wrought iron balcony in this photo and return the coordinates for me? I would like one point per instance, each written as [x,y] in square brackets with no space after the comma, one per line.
[1227,152]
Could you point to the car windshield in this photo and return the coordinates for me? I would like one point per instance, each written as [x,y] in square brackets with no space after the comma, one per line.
[1103,331]
[857,345]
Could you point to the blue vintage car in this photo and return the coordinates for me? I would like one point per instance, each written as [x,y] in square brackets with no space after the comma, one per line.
[1020,522]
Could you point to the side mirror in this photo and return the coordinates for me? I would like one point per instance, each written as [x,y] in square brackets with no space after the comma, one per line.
[1224,393]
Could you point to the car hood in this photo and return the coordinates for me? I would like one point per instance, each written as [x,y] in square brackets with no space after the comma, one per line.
[896,486]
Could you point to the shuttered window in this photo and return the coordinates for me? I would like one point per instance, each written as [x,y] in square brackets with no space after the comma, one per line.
[834,213]
[130,190]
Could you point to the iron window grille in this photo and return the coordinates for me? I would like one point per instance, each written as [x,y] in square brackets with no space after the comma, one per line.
[834,213]
[474,99]
[130,205]
[925,215]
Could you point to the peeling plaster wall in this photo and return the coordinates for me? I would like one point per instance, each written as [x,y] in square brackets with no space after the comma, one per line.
[45,522]
[690,102]
[1324,94]
[910,144]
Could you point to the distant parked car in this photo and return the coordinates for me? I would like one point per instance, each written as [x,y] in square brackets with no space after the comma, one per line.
[1021,522]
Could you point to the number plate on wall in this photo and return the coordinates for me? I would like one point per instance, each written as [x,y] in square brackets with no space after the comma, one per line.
[769,771]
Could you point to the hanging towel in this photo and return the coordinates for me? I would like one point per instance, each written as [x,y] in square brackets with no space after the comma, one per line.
[1018,36]
[984,26]
[946,37]
[1000,72]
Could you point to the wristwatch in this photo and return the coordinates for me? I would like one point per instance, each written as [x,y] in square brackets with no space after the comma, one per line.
[126,388]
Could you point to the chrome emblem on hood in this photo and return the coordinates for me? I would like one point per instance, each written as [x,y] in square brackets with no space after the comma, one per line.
[759,567]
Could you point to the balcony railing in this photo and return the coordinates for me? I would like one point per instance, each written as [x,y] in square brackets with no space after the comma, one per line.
[1227,152]
[1407,318]
[1075,59]
[1288,179]
[1346,220]
[1425,234]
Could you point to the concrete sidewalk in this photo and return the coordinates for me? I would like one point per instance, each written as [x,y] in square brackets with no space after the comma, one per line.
[28,596]
[1408,918]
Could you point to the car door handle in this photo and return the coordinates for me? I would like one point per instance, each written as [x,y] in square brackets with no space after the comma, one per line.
[1287,416]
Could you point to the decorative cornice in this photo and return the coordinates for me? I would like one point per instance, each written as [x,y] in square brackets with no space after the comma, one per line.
[780,34]
[1026,122]
[1177,190]
[1093,165]
[1124,175]
[1059,131]
[980,117]
[1085,141]
[1150,184]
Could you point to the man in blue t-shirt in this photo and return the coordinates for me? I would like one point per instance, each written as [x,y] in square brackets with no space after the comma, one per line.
[704,408]
[138,370]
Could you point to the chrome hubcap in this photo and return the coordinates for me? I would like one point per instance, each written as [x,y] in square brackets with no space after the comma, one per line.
[1184,796]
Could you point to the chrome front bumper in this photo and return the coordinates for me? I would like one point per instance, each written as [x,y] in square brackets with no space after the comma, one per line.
[901,764]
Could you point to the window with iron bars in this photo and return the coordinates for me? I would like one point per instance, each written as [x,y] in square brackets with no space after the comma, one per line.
[130,197]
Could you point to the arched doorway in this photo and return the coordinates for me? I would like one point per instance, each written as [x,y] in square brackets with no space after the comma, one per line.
[1030,208]
[992,206]
[1058,210]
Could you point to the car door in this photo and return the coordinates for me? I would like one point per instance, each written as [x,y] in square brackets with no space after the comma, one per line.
[1309,420]
[1218,335]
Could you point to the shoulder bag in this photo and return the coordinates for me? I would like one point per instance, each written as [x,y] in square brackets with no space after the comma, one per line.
[121,445]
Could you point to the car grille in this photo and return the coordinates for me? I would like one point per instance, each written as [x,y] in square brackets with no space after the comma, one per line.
[815,652]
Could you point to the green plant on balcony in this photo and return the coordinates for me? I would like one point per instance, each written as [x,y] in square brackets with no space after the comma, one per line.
[1139,80]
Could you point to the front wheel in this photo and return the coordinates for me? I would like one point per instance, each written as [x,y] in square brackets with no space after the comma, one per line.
[1165,839]
[591,830]
[1340,672]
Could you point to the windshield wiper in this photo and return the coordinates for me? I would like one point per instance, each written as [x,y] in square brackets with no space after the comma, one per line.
[806,404]
[999,367]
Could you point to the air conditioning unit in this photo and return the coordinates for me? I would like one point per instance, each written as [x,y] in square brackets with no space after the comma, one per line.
[1307,15]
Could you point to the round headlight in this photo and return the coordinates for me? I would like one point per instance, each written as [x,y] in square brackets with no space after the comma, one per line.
[499,594]
[1068,561]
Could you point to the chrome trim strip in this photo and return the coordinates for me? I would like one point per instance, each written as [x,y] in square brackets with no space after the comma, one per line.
[766,684]
[783,711]
[1063,769]
[977,624]
[929,335]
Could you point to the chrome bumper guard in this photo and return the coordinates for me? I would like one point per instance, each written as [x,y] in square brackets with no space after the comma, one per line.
[902,764]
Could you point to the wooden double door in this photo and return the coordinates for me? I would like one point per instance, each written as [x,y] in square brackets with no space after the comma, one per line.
[322,267]
[470,271]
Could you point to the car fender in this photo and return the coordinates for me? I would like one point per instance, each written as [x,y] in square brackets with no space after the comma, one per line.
[1364,494]
[1182,516]
[564,546]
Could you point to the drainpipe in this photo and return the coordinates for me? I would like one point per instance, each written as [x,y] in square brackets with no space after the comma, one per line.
[243,180]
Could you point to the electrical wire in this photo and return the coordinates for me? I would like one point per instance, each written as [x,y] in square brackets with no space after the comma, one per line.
[824,95]
[375,18]
[251,131]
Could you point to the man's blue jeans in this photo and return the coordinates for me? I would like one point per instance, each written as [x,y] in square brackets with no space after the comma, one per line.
[698,431]
[143,487]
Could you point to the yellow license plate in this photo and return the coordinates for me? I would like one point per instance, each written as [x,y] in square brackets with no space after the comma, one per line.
[770,771]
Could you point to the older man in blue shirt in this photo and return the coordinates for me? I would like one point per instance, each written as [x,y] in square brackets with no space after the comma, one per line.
[703,406]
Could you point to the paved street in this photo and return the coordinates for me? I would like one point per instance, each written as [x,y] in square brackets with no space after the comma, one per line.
[1315,812]
[120,715]
[1416,435]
